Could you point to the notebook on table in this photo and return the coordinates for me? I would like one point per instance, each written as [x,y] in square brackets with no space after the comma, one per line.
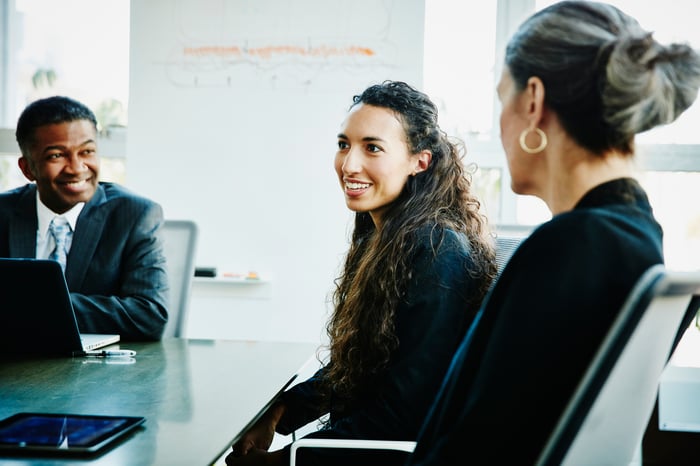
[36,313]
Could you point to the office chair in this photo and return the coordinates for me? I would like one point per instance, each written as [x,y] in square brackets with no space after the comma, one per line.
[505,247]
[606,417]
[180,243]
[506,244]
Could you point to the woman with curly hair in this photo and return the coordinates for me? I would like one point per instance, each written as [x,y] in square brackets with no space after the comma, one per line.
[419,264]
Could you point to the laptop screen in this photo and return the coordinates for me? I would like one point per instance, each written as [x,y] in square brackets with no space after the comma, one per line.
[36,314]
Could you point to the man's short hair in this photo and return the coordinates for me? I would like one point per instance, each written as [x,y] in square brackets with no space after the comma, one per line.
[51,110]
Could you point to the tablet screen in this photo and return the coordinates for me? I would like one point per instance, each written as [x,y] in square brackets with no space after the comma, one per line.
[62,432]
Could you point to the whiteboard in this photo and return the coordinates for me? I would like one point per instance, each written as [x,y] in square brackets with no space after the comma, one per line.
[234,110]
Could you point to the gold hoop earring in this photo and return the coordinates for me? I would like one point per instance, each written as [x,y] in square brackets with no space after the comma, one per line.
[543,141]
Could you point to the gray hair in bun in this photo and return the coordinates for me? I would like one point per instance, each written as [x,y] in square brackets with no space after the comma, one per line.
[604,75]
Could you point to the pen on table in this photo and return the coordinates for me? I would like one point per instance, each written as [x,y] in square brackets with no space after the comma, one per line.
[111,353]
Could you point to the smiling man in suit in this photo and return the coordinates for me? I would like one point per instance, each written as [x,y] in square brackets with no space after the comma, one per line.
[106,238]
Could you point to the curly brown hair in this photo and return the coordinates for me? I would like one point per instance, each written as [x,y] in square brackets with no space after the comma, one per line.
[377,265]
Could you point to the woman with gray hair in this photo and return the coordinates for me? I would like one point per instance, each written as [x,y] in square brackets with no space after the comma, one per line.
[581,79]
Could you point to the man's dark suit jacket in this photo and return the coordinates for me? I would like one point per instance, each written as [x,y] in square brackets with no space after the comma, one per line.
[115,269]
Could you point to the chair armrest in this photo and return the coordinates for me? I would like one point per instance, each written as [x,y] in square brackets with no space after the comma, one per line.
[400,445]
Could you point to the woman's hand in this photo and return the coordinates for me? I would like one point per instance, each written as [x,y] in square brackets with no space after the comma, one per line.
[259,437]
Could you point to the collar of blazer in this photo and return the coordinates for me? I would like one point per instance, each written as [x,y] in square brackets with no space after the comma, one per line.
[87,235]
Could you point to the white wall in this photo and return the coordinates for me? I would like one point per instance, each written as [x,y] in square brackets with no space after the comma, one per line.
[233,113]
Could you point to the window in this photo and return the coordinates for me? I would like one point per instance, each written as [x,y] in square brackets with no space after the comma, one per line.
[463,55]
[88,56]
[88,59]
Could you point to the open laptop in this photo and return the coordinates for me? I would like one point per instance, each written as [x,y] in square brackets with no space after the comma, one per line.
[36,314]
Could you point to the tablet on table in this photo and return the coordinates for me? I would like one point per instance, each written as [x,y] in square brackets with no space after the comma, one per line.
[63,433]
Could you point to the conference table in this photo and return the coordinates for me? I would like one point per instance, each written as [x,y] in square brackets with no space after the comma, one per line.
[196,395]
